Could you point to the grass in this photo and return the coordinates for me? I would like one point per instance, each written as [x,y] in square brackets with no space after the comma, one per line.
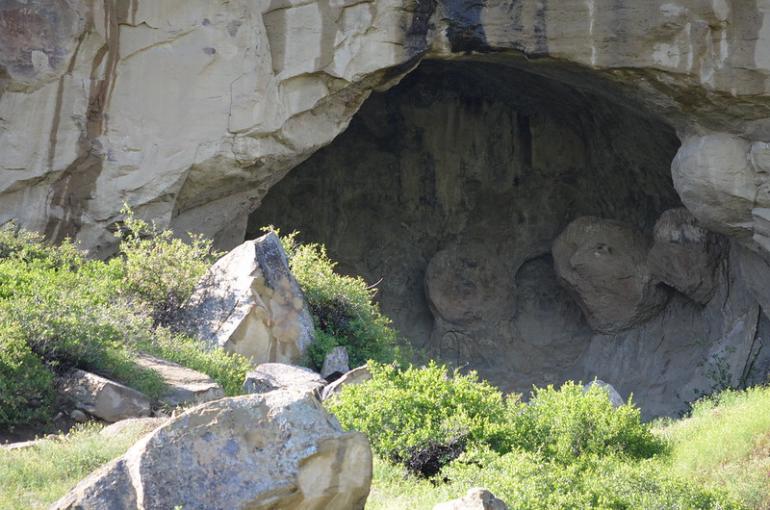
[35,477]
[726,443]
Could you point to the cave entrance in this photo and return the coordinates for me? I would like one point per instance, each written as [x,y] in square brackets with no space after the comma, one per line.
[450,189]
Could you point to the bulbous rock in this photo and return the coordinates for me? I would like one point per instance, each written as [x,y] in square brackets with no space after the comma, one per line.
[604,264]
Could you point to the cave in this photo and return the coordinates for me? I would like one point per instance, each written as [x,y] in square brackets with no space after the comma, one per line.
[447,192]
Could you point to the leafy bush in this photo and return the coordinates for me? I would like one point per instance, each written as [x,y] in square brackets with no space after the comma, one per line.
[343,308]
[569,422]
[25,383]
[527,481]
[162,270]
[403,409]
[228,369]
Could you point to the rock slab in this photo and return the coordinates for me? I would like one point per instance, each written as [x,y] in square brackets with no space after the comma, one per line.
[336,363]
[103,398]
[279,450]
[184,384]
[249,303]
[356,376]
[269,377]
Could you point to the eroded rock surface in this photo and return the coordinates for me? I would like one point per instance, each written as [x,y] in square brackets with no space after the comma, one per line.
[685,255]
[604,264]
[249,303]
[279,450]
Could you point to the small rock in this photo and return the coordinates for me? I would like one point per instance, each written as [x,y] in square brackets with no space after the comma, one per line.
[355,376]
[184,384]
[22,445]
[100,397]
[278,450]
[79,416]
[475,499]
[335,363]
[615,399]
[269,377]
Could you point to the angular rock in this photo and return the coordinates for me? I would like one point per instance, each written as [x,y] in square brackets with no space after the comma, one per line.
[336,363]
[604,264]
[269,377]
[475,499]
[615,399]
[356,376]
[250,303]
[279,450]
[185,386]
[102,398]
[685,255]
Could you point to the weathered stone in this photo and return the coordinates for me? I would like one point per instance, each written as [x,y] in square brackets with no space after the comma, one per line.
[102,398]
[279,450]
[78,415]
[604,263]
[336,363]
[475,499]
[185,386]
[356,376]
[615,399]
[277,376]
[685,255]
[250,303]
[754,269]
[145,425]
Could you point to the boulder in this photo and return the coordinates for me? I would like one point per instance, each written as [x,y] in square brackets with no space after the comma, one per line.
[145,425]
[336,363]
[615,399]
[102,398]
[185,386]
[475,499]
[685,255]
[356,376]
[269,377]
[250,303]
[604,264]
[278,450]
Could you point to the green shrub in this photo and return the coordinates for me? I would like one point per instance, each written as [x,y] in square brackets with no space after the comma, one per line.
[343,308]
[162,270]
[25,383]
[527,481]
[228,369]
[403,409]
[569,422]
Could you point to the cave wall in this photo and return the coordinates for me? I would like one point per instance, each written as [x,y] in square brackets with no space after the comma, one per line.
[450,189]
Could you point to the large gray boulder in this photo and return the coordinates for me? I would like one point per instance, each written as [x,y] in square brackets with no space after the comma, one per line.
[183,385]
[101,397]
[685,255]
[249,303]
[279,450]
[604,264]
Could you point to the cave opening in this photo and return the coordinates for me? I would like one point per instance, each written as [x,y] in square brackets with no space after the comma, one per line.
[449,190]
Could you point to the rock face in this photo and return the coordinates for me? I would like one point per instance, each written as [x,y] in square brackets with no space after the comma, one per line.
[280,450]
[250,303]
[185,386]
[274,376]
[604,263]
[102,398]
[476,499]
